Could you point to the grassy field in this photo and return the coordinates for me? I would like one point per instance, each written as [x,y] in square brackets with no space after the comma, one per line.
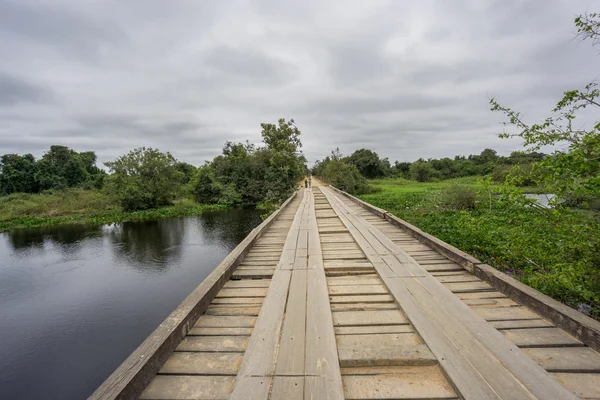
[554,251]
[81,206]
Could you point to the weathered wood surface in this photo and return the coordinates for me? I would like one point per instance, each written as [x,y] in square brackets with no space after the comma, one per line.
[447,324]
[335,300]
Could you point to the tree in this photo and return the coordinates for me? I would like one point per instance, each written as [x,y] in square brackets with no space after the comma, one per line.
[188,171]
[144,178]
[206,188]
[422,171]
[246,175]
[17,174]
[368,163]
[284,136]
[344,176]
[575,171]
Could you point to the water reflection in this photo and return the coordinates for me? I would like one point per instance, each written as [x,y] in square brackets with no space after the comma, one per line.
[62,235]
[150,245]
[231,231]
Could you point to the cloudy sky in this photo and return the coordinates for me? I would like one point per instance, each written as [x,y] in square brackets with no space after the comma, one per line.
[407,79]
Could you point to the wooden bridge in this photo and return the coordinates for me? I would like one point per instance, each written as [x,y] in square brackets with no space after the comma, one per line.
[331,298]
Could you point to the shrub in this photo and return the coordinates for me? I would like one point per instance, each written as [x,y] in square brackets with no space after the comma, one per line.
[345,176]
[144,178]
[459,197]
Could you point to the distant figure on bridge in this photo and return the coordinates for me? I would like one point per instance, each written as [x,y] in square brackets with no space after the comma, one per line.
[306,183]
[309,182]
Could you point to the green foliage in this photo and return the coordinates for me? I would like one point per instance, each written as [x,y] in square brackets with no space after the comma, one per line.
[18,174]
[188,171]
[575,171]
[58,168]
[345,176]
[423,171]
[246,175]
[459,198]
[205,187]
[144,178]
[368,163]
[554,251]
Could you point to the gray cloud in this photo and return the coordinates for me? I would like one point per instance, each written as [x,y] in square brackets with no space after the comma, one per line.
[408,80]
[14,90]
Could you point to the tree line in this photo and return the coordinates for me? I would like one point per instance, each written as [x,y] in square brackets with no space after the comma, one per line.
[59,168]
[350,171]
[145,178]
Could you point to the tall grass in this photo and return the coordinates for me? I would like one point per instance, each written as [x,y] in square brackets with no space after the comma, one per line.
[82,206]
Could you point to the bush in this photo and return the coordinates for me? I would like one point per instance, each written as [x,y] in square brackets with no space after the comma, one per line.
[345,176]
[144,178]
[500,173]
[459,197]
[423,171]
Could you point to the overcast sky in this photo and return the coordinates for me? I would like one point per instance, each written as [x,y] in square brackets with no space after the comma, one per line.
[407,79]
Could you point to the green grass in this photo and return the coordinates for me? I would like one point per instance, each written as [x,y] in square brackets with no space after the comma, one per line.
[82,206]
[555,251]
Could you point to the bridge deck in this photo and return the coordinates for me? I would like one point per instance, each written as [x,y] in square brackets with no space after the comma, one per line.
[335,302]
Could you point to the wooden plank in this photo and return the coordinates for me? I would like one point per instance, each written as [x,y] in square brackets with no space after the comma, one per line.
[368,356]
[521,324]
[423,382]
[458,278]
[181,363]
[541,337]
[357,290]
[378,329]
[378,298]
[243,292]
[586,386]
[442,267]
[363,306]
[323,378]
[214,321]
[566,359]
[362,318]
[228,310]
[220,332]
[503,302]
[480,295]
[237,300]
[188,387]
[379,339]
[467,287]
[352,280]
[248,283]
[290,360]
[254,274]
[131,378]
[505,313]
[213,343]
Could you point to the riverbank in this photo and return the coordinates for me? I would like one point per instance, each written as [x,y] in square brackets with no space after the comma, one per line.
[555,252]
[82,206]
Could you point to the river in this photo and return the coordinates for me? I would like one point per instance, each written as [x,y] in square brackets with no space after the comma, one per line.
[76,300]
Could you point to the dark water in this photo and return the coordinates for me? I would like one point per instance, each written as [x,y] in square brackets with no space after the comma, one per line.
[76,300]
